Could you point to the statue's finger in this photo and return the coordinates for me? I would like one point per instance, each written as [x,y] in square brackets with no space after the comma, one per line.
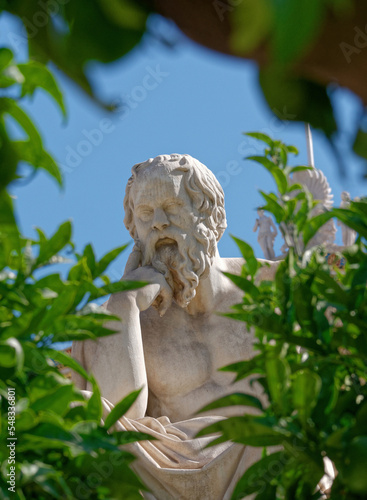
[134,260]
[167,296]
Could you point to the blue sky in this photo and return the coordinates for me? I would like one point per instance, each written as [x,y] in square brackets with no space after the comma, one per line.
[186,100]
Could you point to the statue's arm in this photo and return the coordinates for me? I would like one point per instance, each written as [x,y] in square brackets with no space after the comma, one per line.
[256,225]
[275,231]
[117,361]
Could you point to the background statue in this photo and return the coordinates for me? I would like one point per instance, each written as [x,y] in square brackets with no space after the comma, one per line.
[170,340]
[317,184]
[348,234]
[267,234]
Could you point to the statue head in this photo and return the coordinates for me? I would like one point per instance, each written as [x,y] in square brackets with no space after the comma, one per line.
[260,212]
[174,210]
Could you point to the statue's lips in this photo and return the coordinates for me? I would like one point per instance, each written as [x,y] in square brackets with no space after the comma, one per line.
[165,241]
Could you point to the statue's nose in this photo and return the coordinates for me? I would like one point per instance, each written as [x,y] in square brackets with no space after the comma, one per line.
[160,220]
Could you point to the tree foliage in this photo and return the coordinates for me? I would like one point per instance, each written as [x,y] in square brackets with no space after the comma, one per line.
[62,448]
[311,360]
[280,35]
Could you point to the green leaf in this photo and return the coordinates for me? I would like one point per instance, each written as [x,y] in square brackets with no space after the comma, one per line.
[56,243]
[246,368]
[261,137]
[63,304]
[273,207]
[122,286]
[247,252]
[36,75]
[108,258]
[265,162]
[314,224]
[296,26]
[249,430]
[253,479]
[94,405]
[277,376]
[11,354]
[8,159]
[293,150]
[67,360]
[6,57]
[244,284]
[125,13]
[235,399]
[306,386]
[90,258]
[283,91]
[38,158]
[251,22]
[281,180]
[126,437]
[9,234]
[121,408]
[360,143]
[58,401]
[9,106]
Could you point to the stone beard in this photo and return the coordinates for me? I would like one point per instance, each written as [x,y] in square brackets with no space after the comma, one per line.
[183,259]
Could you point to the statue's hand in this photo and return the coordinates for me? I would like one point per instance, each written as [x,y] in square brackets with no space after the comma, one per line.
[157,294]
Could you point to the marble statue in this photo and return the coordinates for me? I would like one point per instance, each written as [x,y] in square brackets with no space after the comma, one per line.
[170,340]
[315,181]
[348,234]
[267,234]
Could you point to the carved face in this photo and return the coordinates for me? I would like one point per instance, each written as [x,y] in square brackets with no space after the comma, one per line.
[167,226]
[162,208]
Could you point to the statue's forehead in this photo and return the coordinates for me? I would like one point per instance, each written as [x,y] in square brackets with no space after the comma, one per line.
[158,173]
[159,181]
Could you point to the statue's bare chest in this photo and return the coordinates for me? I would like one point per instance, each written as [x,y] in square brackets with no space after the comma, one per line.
[183,352]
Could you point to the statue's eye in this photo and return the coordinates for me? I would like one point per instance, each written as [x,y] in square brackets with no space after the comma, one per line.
[172,208]
[145,214]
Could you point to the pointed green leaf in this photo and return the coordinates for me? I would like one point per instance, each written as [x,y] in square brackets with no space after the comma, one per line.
[36,75]
[121,408]
[235,399]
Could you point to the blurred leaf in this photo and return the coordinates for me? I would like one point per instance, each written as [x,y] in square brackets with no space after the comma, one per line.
[277,375]
[122,286]
[253,478]
[94,405]
[38,158]
[251,22]
[108,258]
[9,235]
[121,408]
[296,26]
[235,399]
[360,143]
[261,137]
[36,75]
[306,386]
[58,401]
[67,360]
[56,243]
[249,430]
[9,106]
[283,91]
[6,57]
[8,159]
[11,354]
[247,252]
